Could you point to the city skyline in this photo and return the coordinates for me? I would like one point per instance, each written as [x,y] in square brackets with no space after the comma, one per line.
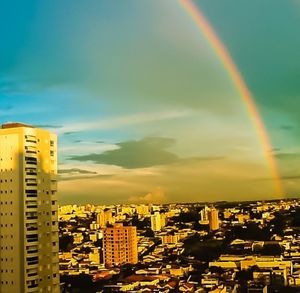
[238,247]
[143,107]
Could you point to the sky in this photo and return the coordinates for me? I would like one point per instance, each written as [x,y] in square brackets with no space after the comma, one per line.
[143,108]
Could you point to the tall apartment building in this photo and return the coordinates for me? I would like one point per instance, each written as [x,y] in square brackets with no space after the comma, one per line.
[120,245]
[158,221]
[213,218]
[156,224]
[204,215]
[28,210]
[105,217]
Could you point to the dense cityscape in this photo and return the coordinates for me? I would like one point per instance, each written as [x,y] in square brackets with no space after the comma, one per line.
[225,247]
[191,247]
[149,146]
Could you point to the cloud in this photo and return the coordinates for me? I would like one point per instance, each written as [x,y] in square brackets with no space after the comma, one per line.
[144,153]
[201,159]
[6,107]
[80,148]
[122,121]
[294,175]
[83,177]
[290,177]
[157,196]
[275,150]
[10,112]
[75,174]
[8,86]
[69,132]
[147,152]
[47,126]
[75,171]
[185,181]
[287,156]
[287,127]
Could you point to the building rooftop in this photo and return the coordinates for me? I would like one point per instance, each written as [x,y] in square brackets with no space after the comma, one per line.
[14,125]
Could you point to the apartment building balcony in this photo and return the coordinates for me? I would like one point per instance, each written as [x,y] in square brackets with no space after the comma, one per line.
[31,208]
[32,253]
[32,288]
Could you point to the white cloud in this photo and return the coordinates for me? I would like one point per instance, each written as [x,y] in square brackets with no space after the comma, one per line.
[104,170]
[157,196]
[83,148]
[96,168]
[127,120]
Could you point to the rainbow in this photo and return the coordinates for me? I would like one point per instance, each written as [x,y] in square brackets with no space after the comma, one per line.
[240,85]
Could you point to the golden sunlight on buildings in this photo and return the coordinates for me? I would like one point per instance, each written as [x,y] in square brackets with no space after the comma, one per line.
[28,217]
[120,245]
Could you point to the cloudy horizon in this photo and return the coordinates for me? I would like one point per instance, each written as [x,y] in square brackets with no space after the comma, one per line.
[144,109]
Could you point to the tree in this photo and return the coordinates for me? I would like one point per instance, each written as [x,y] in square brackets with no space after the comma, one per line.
[66,243]
[149,233]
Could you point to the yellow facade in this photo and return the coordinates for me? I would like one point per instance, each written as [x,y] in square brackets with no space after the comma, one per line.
[213,217]
[142,210]
[28,210]
[105,217]
[156,223]
[168,238]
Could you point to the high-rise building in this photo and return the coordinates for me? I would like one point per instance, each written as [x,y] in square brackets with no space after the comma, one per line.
[28,210]
[213,218]
[120,245]
[142,210]
[163,219]
[204,214]
[105,217]
[156,222]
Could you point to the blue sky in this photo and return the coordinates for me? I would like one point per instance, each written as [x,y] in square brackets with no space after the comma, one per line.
[143,108]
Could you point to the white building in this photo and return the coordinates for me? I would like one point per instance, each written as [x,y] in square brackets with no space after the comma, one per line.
[204,214]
